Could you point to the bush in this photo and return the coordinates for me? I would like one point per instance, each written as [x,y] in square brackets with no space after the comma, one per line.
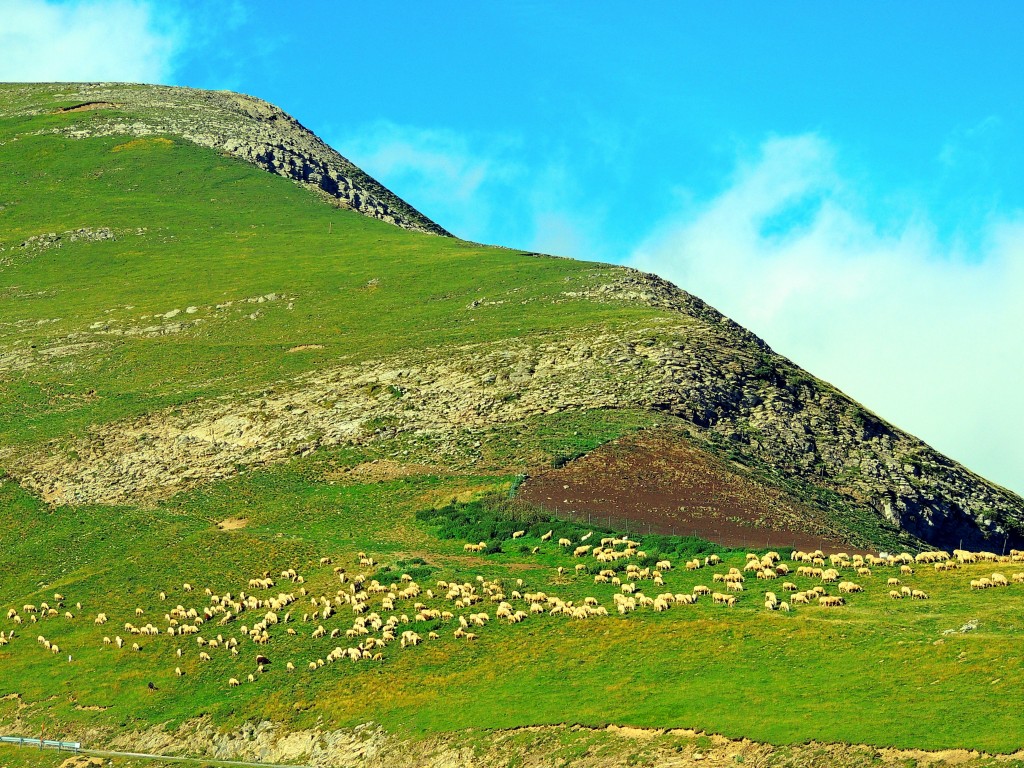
[495,518]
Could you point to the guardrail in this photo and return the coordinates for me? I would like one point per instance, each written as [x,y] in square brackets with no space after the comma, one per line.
[60,746]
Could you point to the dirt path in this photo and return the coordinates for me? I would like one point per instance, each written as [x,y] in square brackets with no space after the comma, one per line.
[166,758]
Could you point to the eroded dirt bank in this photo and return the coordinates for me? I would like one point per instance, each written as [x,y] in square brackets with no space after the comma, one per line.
[370,746]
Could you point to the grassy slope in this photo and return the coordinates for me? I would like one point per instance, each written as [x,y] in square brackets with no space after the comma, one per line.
[219,230]
[780,678]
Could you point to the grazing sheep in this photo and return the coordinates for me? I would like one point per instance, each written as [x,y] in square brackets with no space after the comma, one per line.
[784,607]
[518,534]
[563,542]
[547,536]
[917,594]
[178,672]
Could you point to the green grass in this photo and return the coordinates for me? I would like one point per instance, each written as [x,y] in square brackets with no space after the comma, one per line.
[818,674]
[358,287]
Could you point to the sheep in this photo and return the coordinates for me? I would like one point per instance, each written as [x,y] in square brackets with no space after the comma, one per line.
[917,594]
[232,682]
[204,656]
[895,594]
[831,601]
[518,534]
[784,607]
[893,582]
[547,536]
[563,542]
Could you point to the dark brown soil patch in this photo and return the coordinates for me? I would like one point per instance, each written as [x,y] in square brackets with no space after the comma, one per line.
[86,106]
[658,482]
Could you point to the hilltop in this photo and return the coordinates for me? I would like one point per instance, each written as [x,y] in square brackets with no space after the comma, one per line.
[610,337]
[228,355]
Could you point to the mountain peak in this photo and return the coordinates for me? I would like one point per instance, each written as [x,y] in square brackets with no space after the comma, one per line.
[243,126]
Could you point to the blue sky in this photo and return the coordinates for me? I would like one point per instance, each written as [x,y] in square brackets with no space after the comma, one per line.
[843,178]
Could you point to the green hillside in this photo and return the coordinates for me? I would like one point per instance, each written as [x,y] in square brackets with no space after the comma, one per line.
[214,374]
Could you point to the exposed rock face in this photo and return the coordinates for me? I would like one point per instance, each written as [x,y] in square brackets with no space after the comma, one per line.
[694,363]
[243,126]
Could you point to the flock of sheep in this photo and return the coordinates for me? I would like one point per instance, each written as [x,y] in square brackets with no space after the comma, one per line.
[361,617]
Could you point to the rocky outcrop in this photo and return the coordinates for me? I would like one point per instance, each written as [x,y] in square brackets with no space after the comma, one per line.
[692,363]
[242,126]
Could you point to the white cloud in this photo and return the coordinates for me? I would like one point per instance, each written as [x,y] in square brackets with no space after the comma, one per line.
[480,187]
[928,336]
[441,172]
[86,40]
